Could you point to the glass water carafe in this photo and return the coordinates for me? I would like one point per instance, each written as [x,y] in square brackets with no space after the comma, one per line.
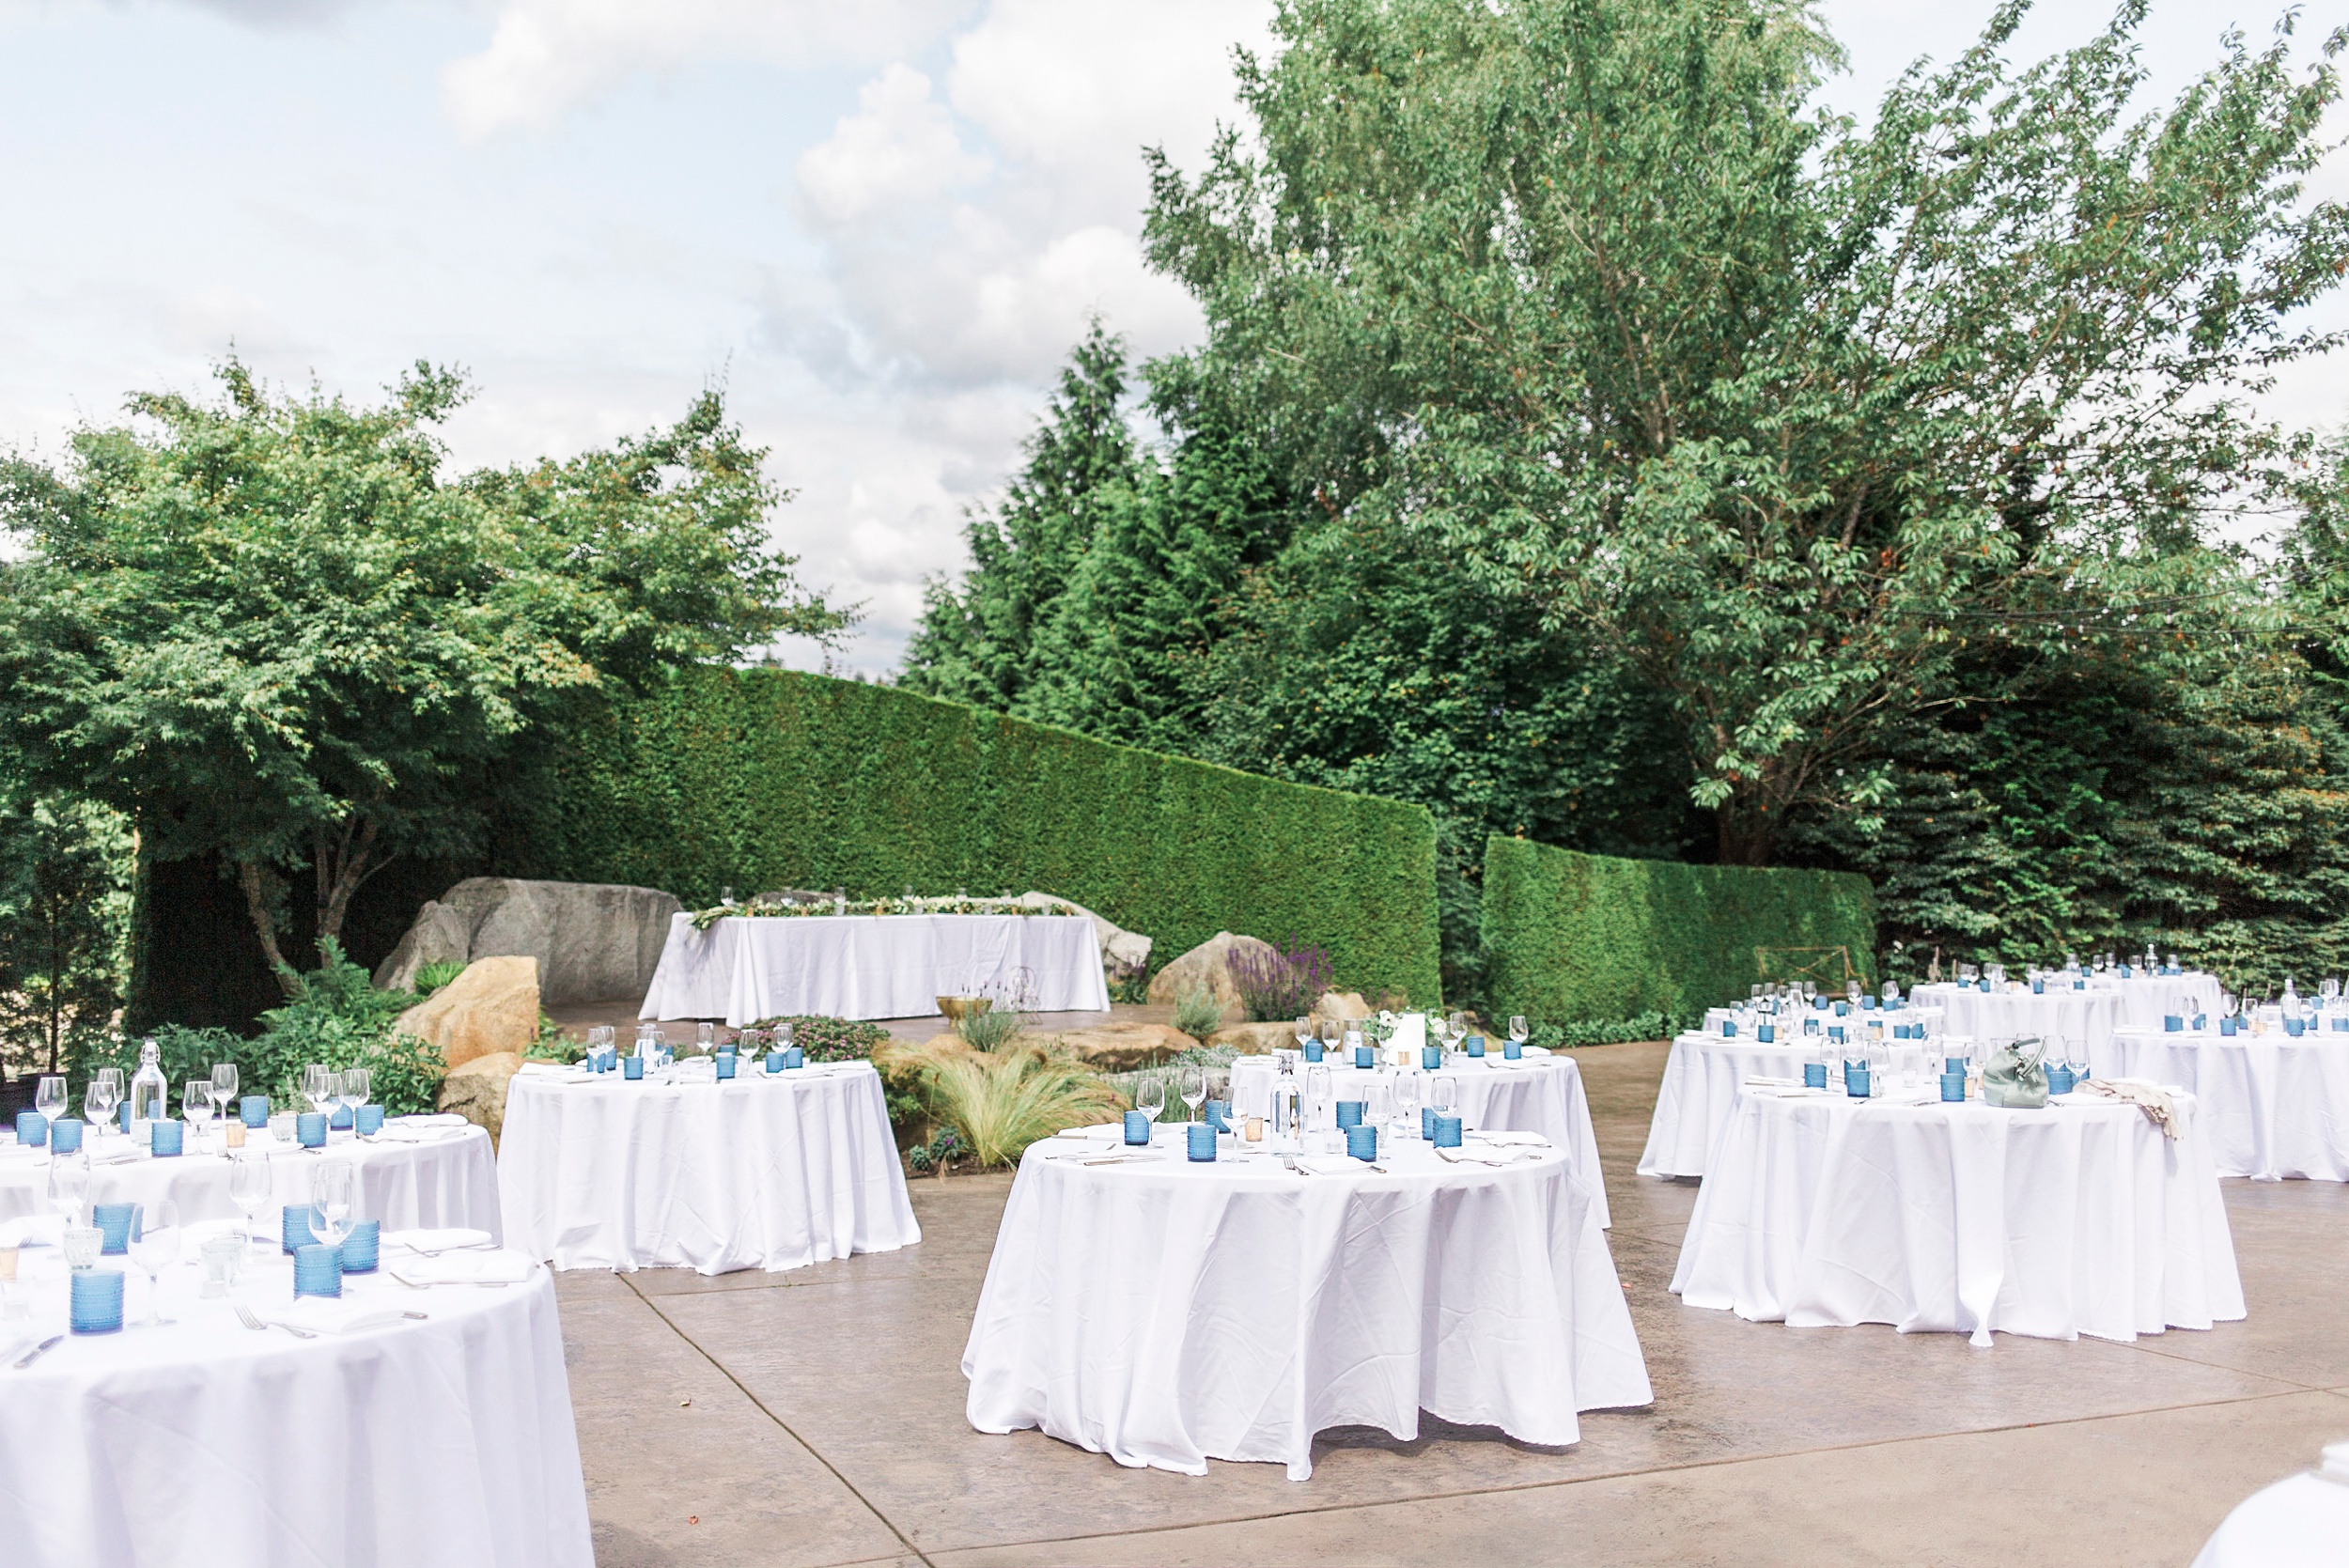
[150,1096]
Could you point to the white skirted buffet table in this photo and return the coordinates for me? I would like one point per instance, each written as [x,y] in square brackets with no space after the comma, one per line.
[2274,1106]
[413,1425]
[419,1170]
[2082,1218]
[764,1171]
[1166,1313]
[1542,1094]
[746,968]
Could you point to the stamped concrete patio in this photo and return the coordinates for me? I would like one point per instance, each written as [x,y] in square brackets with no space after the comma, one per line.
[814,1418]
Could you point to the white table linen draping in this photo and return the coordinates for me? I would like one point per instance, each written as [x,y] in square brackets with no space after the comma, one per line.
[2080,1219]
[743,969]
[761,1172]
[2301,1522]
[445,1441]
[2273,1107]
[1702,1079]
[449,1180]
[2084,1018]
[2145,999]
[1166,1313]
[1539,1093]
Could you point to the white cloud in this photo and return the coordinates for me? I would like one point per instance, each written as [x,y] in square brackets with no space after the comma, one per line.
[547,58]
[899,148]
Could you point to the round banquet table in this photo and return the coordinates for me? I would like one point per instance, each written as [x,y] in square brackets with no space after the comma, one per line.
[744,968]
[2273,1107]
[1541,1094]
[770,1172]
[383,1442]
[2301,1522]
[2084,1018]
[1702,1079]
[2081,1218]
[1166,1313]
[2145,999]
[420,1171]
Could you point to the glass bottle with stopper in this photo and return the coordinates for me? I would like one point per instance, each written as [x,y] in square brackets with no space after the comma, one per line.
[150,1096]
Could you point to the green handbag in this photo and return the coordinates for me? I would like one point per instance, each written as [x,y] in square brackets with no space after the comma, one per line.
[2016,1079]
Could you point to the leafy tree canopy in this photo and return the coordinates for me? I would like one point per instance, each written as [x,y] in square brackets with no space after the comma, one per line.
[269,628]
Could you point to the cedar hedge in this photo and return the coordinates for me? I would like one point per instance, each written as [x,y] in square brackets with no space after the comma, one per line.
[1571,937]
[765,778]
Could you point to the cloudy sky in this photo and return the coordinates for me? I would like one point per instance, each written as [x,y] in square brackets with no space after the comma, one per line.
[880,224]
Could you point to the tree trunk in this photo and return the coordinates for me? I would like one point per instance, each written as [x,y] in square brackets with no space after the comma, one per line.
[340,873]
[253,881]
[56,1030]
[1746,831]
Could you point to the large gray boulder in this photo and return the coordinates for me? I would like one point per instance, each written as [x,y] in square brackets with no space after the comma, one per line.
[594,942]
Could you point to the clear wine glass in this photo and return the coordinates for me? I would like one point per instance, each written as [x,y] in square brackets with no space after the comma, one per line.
[1195,1090]
[1304,1031]
[1518,1031]
[705,1038]
[317,1079]
[1333,1034]
[331,1188]
[251,1186]
[99,1098]
[783,1036]
[196,1104]
[155,1247]
[1150,1096]
[1443,1093]
[49,1097]
[1408,1085]
[358,1082]
[69,1188]
[225,1087]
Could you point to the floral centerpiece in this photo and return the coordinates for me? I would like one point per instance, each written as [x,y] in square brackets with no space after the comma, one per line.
[766,909]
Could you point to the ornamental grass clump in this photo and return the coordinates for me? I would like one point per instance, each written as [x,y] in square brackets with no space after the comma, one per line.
[998,1103]
[1280,983]
[988,1029]
[1197,1013]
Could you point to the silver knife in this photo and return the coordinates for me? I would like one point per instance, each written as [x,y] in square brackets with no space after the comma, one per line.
[38,1352]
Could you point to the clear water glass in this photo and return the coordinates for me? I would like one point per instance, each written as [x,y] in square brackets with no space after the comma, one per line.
[783,1036]
[69,1188]
[251,1186]
[196,1104]
[1150,1096]
[1194,1091]
[99,1101]
[1518,1031]
[1332,1034]
[223,1087]
[1304,1031]
[705,1038]
[330,1202]
[155,1247]
[49,1097]
[1408,1085]
[358,1084]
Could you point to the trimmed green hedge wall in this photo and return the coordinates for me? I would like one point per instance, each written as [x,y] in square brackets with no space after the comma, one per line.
[770,778]
[1573,938]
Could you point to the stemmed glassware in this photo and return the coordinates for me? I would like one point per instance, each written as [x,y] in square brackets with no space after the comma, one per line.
[1443,1093]
[1150,1097]
[225,1087]
[314,1081]
[783,1036]
[1408,1084]
[250,1186]
[1195,1090]
[356,1084]
[705,1038]
[330,1202]
[68,1188]
[155,1247]
[1518,1032]
[196,1104]
[49,1097]
[1304,1031]
[1333,1034]
[100,1097]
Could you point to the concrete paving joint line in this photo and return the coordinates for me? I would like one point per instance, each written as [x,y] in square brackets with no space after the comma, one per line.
[760,1405]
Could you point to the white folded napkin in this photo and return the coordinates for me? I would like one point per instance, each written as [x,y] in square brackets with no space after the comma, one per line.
[464,1268]
[1100,1129]
[1536,1051]
[1514,1139]
[422,1135]
[1759,1081]
[329,1315]
[436,1241]
[33,1230]
[428,1118]
[1332,1165]
[122,1155]
[547,1069]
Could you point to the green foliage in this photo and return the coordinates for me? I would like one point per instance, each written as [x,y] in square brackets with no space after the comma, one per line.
[338,1018]
[268,629]
[823,1038]
[936,1154]
[1002,1102]
[770,778]
[432,977]
[1169,1074]
[988,1029]
[1565,1036]
[66,873]
[1197,1013]
[1767,407]
[554,1042]
[1573,938]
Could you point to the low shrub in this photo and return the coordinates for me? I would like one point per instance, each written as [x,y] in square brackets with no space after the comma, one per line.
[1170,1072]
[432,977]
[989,1030]
[1197,1013]
[1285,983]
[997,1104]
[1645,1026]
[821,1038]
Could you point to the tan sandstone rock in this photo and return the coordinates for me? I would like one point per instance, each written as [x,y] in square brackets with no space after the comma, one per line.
[476,1091]
[1117,1047]
[1254,1039]
[1341,1006]
[491,1007]
[1208,964]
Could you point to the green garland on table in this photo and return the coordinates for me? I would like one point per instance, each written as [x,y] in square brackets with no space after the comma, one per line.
[758,910]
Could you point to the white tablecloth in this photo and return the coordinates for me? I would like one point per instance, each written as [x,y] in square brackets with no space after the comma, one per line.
[1540,1093]
[1996,1017]
[2301,1522]
[1703,1077]
[445,1442]
[770,1172]
[2273,1107]
[1165,1313]
[870,965]
[2081,1218]
[2145,999]
[451,1180]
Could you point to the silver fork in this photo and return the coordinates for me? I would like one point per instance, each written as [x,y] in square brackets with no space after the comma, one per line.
[245,1316]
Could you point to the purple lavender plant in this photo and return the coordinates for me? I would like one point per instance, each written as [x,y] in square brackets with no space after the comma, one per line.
[1284,982]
